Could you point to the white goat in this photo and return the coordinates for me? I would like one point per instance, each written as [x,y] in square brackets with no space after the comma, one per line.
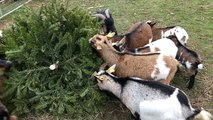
[164,45]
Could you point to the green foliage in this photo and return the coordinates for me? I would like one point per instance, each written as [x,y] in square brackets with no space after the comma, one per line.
[53,35]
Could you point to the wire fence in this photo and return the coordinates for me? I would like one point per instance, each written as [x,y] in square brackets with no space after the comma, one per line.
[7,8]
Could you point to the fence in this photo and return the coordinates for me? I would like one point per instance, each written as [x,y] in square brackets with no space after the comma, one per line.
[8,8]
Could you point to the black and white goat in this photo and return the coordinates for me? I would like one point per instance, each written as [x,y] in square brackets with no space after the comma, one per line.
[108,25]
[149,100]
[189,59]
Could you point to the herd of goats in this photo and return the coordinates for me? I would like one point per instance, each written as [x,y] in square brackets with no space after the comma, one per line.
[138,69]
[140,65]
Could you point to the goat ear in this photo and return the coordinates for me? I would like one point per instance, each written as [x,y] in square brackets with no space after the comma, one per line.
[107,13]
[110,34]
[151,23]
[99,16]
[95,74]
[111,69]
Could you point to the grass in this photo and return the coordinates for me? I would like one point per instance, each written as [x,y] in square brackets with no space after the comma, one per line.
[193,15]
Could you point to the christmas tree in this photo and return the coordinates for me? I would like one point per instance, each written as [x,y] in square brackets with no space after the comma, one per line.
[52,62]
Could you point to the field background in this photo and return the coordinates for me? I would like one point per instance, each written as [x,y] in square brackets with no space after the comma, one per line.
[196,16]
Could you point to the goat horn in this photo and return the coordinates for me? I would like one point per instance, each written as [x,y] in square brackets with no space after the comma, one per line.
[99,16]
[107,13]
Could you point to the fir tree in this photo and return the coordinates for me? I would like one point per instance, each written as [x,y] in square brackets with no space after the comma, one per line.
[52,62]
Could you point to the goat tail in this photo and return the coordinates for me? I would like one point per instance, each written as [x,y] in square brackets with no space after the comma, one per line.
[200,66]
[203,115]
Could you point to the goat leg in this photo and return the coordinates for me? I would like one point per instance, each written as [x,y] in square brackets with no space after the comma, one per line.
[191,82]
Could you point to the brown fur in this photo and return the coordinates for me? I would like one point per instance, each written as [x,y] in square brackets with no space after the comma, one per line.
[138,35]
[157,31]
[146,49]
[132,65]
[170,63]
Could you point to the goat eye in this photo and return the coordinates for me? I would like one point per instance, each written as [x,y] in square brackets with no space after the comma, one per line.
[99,39]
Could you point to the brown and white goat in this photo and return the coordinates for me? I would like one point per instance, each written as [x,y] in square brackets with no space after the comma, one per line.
[4,66]
[157,67]
[189,59]
[163,45]
[159,33]
[138,35]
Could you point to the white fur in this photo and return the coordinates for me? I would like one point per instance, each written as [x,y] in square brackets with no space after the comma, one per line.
[179,32]
[110,85]
[188,65]
[149,103]
[115,43]
[150,40]
[166,46]
[162,109]
[1,33]
[160,67]
[162,35]
[148,21]
[107,13]
[200,66]
[203,115]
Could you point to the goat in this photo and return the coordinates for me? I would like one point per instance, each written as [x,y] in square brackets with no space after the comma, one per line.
[189,59]
[158,33]
[5,65]
[164,45]
[138,35]
[108,25]
[150,100]
[154,66]
[4,114]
